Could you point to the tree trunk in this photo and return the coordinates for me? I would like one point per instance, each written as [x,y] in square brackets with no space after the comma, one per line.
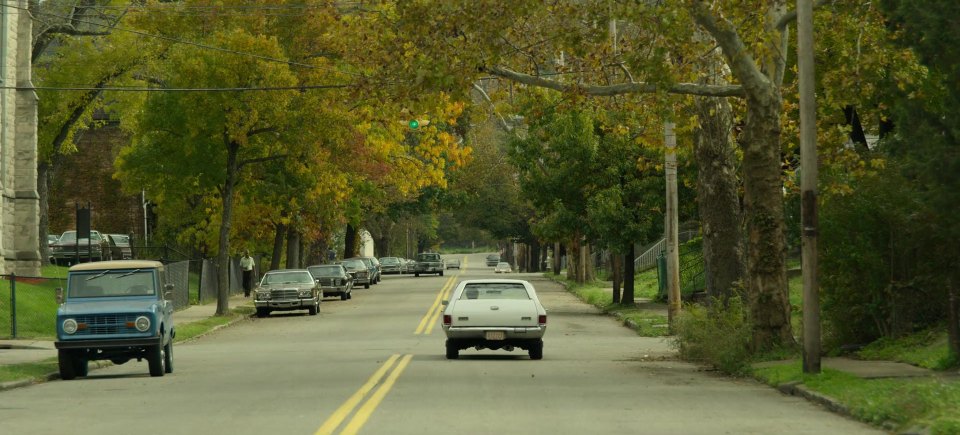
[557,257]
[616,263]
[573,259]
[223,257]
[766,285]
[279,236]
[293,248]
[719,205]
[535,256]
[350,242]
[628,277]
[953,321]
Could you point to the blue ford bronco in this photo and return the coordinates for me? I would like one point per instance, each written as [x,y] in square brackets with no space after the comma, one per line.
[117,311]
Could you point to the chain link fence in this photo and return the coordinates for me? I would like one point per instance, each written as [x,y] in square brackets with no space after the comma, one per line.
[28,306]
[209,277]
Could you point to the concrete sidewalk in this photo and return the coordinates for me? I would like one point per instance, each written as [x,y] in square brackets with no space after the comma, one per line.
[34,350]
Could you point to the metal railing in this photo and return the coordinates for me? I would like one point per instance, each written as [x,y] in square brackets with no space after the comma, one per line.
[648,259]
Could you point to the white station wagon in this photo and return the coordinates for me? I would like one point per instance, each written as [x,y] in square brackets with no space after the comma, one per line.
[494,314]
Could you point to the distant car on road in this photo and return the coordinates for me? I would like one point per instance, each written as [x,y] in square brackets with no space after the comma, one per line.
[452,263]
[494,314]
[117,311]
[428,262]
[373,266]
[502,267]
[287,289]
[493,259]
[333,280]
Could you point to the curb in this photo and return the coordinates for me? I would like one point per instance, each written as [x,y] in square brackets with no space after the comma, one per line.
[833,405]
[99,364]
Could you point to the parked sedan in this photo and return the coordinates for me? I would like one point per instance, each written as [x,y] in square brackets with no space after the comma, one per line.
[390,265]
[69,250]
[287,289]
[120,248]
[452,263]
[358,269]
[333,279]
[494,314]
[502,267]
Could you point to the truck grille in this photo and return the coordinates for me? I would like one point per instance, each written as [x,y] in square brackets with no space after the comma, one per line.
[105,324]
[285,293]
[329,281]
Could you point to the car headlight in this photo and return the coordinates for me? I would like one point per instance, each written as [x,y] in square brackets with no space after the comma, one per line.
[142,323]
[263,295]
[306,293]
[70,326]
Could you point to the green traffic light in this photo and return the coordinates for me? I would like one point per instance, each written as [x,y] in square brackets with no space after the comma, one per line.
[414,124]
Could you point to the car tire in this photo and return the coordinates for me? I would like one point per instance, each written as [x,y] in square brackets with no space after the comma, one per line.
[350,295]
[416,274]
[536,350]
[155,360]
[367,285]
[453,351]
[344,296]
[262,312]
[441,273]
[68,368]
[313,309]
[81,365]
[168,357]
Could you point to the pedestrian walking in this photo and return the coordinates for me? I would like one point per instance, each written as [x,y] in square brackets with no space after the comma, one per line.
[246,266]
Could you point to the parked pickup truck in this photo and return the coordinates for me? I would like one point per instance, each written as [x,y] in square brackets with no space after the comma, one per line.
[428,262]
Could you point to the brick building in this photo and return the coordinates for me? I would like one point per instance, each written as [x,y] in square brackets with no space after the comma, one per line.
[19,217]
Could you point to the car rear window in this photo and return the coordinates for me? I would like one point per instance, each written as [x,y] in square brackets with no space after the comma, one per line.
[494,291]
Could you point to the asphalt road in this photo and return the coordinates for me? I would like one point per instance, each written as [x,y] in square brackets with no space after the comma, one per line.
[375,365]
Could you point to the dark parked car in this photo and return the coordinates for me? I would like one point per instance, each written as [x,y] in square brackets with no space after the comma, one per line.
[373,266]
[52,238]
[493,259]
[333,280]
[358,269]
[120,248]
[68,249]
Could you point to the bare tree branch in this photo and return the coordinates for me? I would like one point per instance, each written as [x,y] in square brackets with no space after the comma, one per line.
[735,51]
[620,89]
[503,122]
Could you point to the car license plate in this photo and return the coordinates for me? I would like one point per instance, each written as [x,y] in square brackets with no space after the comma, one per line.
[495,335]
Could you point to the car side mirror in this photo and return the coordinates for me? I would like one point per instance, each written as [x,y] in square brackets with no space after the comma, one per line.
[59,295]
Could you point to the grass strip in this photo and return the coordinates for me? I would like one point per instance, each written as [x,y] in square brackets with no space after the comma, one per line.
[900,402]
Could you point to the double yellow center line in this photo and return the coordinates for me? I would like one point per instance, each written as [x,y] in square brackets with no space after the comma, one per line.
[363,414]
[429,320]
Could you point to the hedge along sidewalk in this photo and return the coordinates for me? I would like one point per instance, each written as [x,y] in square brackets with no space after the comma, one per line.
[24,362]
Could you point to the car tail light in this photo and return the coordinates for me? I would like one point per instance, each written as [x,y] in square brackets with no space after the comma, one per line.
[447,319]
[542,319]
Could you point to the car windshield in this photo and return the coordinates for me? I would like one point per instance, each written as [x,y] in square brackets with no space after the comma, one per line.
[389,260]
[325,270]
[120,240]
[354,264]
[109,283]
[495,291]
[71,236]
[296,277]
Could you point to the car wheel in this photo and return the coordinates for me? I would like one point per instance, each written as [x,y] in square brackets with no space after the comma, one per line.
[313,309]
[453,351]
[344,296]
[263,312]
[416,274]
[155,360]
[350,295]
[441,273]
[81,365]
[168,357]
[366,285]
[536,351]
[68,368]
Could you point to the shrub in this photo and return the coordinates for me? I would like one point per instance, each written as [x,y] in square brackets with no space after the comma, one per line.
[716,334]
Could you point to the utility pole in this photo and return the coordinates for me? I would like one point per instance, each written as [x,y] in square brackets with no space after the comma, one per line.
[808,188]
[673,254]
